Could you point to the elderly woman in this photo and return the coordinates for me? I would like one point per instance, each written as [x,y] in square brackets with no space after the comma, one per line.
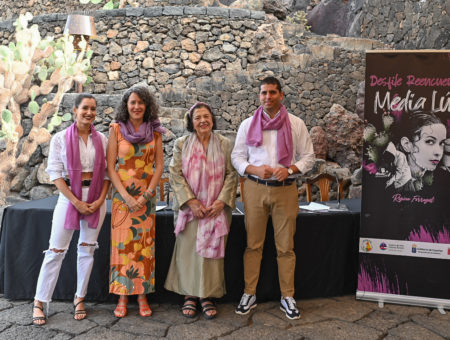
[204,184]
[76,164]
[135,143]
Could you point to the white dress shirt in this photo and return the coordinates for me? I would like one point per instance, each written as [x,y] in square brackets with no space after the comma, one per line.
[57,155]
[244,155]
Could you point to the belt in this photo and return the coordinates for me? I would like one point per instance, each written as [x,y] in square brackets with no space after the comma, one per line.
[84,183]
[272,183]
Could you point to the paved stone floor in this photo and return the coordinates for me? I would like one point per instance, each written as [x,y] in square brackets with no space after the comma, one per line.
[331,318]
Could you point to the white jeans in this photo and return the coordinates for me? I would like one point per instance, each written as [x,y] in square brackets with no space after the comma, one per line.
[60,240]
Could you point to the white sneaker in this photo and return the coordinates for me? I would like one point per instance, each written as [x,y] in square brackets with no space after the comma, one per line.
[289,306]
[248,302]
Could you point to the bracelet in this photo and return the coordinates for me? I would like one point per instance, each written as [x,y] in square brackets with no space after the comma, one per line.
[148,194]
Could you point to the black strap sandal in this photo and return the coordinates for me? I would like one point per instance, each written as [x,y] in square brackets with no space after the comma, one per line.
[39,318]
[208,305]
[189,307]
[79,312]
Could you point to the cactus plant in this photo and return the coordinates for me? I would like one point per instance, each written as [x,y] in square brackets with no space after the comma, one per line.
[31,67]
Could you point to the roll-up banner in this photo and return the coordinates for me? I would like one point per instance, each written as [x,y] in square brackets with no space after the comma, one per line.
[404,253]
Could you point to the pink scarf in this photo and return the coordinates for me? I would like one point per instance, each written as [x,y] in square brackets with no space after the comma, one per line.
[73,216]
[280,123]
[205,173]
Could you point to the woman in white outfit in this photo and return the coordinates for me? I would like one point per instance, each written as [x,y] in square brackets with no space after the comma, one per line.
[76,165]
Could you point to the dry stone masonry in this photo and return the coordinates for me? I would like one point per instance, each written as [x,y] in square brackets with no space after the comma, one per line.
[213,54]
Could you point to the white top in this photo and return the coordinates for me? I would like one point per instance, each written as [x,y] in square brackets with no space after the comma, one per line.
[244,155]
[57,159]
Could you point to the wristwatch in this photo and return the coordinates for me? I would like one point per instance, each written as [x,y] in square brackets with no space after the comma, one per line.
[290,171]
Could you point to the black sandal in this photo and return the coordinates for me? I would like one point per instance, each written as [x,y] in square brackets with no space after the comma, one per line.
[39,318]
[189,307]
[208,305]
[79,312]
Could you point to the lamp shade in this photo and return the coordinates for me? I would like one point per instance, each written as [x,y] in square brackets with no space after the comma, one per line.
[80,24]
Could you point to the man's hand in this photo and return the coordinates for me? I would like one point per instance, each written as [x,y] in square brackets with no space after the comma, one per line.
[280,173]
[263,171]
[198,209]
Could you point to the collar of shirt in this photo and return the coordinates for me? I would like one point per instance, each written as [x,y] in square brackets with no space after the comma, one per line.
[269,115]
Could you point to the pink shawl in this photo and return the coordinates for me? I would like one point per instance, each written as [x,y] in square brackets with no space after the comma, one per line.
[281,123]
[205,174]
[73,216]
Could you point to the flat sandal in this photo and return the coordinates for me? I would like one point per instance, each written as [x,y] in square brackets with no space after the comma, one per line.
[39,318]
[189,307]
[208,305]
[144,307]
[79,311]
[121,309]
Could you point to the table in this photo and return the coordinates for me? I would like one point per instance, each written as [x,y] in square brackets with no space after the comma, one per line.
[326,245]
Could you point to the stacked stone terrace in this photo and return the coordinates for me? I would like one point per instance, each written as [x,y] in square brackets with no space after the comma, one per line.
[213,54]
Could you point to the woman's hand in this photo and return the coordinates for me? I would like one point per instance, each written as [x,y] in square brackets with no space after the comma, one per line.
[94,206]
[215,209]
[198,209]
[82,207]
[141,200]
[132,203]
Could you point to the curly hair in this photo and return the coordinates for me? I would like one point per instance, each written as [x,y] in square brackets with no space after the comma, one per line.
[151,106]
[189,117]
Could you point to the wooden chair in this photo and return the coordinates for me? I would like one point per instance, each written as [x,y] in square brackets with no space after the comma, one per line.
[323,182]
[162,181]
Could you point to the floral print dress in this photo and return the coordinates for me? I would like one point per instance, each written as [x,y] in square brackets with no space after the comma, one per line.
[132,265]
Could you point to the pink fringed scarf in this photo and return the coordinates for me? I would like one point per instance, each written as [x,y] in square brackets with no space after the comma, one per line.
[205,173]
[281,123]
[73,216]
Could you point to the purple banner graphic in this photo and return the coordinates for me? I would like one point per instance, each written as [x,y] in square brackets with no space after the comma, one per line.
[406,175]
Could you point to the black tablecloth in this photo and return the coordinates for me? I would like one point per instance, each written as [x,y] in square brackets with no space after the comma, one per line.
[326,245]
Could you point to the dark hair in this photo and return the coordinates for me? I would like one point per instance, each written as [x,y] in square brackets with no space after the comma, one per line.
[270,80]
[410,126]
[190,124]
[79,98]
[151,107]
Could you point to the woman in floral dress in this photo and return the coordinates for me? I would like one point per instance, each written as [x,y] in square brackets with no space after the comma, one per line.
[135,144]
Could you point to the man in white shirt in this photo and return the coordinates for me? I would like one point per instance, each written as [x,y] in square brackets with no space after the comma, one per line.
[272,147]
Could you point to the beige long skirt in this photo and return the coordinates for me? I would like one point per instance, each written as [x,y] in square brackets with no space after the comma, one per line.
[191,274]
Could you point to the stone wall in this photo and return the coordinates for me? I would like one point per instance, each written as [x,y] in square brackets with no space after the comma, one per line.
[12,9]
[217,55]
[404,24]
[407,24]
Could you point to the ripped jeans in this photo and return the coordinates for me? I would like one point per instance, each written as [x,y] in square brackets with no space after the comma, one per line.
[59,243]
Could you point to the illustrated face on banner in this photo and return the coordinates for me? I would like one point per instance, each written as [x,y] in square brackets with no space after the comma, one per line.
[427,148]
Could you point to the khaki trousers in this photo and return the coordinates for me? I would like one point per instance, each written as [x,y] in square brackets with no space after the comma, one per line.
[282,203]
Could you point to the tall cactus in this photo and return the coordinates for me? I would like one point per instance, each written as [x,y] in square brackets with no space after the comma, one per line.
[29,68]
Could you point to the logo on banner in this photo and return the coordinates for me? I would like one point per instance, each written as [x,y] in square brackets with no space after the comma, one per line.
[383,246]
[414,248]
[448,251]
[366,245]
